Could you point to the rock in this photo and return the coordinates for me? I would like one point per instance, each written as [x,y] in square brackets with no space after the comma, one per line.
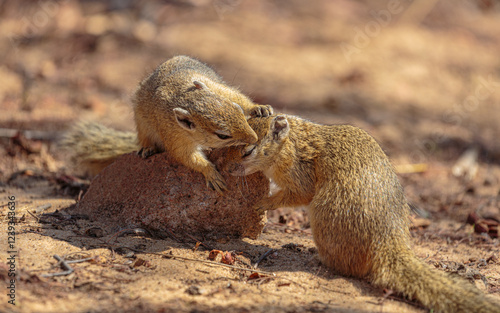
[160,195]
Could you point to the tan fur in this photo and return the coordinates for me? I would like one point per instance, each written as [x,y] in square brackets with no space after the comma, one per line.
[184,108]
[95,146]
[359,215]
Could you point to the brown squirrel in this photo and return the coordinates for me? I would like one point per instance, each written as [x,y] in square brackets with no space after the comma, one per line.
[359,214]
[184,108]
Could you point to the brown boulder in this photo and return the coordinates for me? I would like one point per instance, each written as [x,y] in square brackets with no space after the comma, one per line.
[160,195]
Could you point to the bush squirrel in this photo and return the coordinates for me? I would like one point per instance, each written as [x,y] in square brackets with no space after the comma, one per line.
[184,108]
[358,212]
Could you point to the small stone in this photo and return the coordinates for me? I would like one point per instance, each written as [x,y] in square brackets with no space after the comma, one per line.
[161,195]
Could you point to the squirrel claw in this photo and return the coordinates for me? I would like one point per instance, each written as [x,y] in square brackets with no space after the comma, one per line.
[264,205]
[218,184]
[260,210]
[147,152]
[261,111]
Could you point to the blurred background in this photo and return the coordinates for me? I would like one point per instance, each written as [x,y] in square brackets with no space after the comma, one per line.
[423,76]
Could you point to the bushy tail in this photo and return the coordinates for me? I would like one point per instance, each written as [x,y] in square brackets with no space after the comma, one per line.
[95,146]
[434,289]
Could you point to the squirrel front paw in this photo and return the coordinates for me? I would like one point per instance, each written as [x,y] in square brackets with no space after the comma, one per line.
[216,182]
[262,206]
[146,152]
[259,209]
[261,111]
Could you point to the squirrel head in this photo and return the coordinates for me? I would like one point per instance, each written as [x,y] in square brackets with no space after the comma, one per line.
[213,120]
[273,133]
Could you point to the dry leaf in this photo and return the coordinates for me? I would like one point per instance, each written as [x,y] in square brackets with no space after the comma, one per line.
[213,254]
[227,258]
[256,276]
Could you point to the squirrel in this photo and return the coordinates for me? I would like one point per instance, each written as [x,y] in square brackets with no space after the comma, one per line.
[183,107]
[358,212]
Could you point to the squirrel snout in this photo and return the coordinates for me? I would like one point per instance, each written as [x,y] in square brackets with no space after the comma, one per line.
[251,138]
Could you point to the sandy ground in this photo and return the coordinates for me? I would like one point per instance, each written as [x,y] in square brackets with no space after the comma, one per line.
[422,77]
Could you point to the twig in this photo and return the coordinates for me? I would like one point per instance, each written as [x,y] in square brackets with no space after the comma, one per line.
[80,261]
[201,243]
[173,235]
[64,265]
[80,194]
[38,209]
[30,134]
[36,217]
[86,257]
[268,252]
[43,207]
[167,256]
[215,263]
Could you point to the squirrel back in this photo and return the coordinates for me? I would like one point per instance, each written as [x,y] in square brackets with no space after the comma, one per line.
[183,91]
[359,215]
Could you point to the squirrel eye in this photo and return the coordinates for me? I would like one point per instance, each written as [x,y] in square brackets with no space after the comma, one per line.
[222,136]
[248,150]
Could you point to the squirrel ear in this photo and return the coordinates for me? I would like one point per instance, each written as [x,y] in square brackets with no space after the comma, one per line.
[199,85]
[237,106]
[280,127]
[184,119]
